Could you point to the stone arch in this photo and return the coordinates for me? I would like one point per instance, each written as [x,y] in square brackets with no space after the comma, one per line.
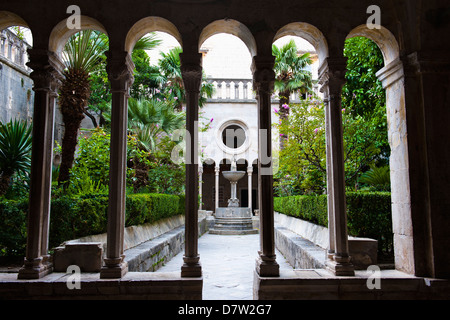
[384,39]
[308,32]
[391,77]
[208,161]
[150,24]
[232,27]
[9,19]
[60,33]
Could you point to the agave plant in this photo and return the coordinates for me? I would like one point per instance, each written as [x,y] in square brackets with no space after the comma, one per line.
[15,151]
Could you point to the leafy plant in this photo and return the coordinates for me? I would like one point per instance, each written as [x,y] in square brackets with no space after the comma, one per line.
[15,151]
[377,177]
[91,167]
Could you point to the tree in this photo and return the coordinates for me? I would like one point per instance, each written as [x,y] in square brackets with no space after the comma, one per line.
[303,158]
[170,67]
[290,74]
[82,55]
[363,94]
[150,119]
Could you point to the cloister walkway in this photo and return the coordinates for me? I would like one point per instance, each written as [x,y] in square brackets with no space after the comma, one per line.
[228,265]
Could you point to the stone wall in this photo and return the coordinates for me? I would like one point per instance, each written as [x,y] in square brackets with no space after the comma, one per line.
[16,86]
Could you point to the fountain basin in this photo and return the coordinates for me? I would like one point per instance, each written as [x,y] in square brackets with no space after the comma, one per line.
[233,221]
[233,176]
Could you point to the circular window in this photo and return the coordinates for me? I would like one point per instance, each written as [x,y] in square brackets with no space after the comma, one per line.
[233,136]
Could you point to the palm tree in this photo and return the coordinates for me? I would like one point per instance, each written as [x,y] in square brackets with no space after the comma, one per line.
[170,67]
[150,119]
[82,55]
[15,151]
[290,72]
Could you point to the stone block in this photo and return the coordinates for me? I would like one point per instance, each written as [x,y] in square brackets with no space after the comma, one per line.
[363,252]
[86,255]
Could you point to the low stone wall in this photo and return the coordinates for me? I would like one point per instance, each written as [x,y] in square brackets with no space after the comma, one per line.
[304,244]
[146,247]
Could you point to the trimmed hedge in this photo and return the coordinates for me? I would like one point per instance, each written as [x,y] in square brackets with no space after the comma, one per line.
[368,214]
[75,217]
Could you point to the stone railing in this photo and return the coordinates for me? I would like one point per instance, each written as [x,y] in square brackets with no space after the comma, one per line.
[13,50]
[240,91]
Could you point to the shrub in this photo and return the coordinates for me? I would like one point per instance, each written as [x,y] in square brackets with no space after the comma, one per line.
[72,217]
[368,214]
[13,227]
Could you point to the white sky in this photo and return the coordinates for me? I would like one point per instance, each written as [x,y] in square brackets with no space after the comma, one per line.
[227,56]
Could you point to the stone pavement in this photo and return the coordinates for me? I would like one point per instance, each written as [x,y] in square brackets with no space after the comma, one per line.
[228,264]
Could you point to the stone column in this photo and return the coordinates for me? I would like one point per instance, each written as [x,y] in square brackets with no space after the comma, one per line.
[46,76]
[332,75]
[120,73]
[249,173]
[217,173]
[420,211]
[263,81]
[191,71]
[200,186]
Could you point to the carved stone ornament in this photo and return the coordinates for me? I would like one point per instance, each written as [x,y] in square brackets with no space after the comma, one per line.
[332,75]
[191,72]
[263,74]
[47,70]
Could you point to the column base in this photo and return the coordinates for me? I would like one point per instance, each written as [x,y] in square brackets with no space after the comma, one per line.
[114,268]
[34,269]
[191,267]
[340,266]
[267,267]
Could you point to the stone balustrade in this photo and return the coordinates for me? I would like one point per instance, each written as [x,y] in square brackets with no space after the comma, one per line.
[13,49]
[240,91]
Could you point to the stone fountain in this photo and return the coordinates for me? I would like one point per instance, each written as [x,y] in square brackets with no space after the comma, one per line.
[233,219]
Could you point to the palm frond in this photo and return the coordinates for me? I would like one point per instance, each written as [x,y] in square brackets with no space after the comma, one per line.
[84,49]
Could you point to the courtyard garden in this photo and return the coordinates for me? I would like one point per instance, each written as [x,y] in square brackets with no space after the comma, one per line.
[155,184]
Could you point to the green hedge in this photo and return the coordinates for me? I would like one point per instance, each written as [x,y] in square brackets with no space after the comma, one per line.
[75,217]
[368,214]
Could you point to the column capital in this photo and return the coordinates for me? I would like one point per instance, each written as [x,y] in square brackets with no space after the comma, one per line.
[425,63]
[263,74]
[391,73]
[47,69]
[119,67]
[191,71]
[332,74]
[217,170]
[249,170]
